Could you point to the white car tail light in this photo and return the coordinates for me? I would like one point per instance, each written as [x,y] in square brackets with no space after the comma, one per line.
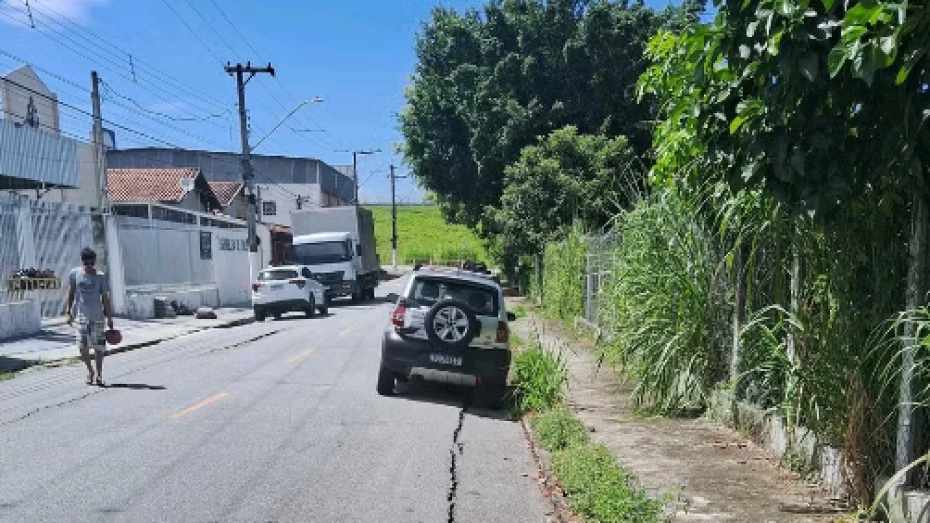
[397,317]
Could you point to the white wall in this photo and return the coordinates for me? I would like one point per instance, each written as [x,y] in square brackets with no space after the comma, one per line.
[16,99]
[231,265]
[285,197]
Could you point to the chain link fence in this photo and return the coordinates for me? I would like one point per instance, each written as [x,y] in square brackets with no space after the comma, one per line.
[600,262]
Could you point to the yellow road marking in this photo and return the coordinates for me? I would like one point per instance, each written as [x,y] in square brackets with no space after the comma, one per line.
[298,357]
[202,404]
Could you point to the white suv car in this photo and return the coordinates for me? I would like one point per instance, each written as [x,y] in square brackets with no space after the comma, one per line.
[448,326]
[285,289]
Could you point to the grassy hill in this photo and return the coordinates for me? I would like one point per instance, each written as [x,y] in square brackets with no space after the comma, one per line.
[423,234]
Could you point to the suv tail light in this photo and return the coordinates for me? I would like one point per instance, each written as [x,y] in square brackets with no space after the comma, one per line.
[299,283]
[503,332]
[255,287]
[397,317]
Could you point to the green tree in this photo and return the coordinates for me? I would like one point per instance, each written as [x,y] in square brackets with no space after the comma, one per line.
[566,178]
[488,83]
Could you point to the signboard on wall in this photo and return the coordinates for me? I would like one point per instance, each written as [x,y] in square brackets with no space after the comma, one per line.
[233,244]
[206,245]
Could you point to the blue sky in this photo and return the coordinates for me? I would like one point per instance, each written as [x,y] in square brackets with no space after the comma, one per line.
[357,55]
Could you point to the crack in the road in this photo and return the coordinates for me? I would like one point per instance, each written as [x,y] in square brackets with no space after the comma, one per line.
[244,342]
[453,468]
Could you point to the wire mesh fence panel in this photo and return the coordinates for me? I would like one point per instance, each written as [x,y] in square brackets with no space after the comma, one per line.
[599,264]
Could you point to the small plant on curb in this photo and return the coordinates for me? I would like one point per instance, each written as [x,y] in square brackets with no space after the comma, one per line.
[600,489]
[558,429]
[7,376]
[539,377]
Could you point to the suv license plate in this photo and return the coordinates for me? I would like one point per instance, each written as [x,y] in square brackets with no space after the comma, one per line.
[445,359]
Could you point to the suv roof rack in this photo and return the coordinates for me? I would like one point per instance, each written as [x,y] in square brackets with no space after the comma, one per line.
[456,270]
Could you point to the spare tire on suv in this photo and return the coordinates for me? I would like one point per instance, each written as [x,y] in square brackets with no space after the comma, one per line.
[451,324]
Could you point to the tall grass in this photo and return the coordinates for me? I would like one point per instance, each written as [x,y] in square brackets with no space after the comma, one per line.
[662,304]
[540,376]
[563,282]
[667,310]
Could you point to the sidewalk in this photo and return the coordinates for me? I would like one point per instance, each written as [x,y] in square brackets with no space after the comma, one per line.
[56,341]
[706,471]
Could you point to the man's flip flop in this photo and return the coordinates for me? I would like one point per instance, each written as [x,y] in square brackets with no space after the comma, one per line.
[100,383]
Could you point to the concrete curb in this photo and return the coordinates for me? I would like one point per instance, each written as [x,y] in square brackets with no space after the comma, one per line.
[548,483]
[142,344]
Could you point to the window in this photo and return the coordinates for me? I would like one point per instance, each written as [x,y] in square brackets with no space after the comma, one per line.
[324,252]
[269,208]
[427,291]
[276,275]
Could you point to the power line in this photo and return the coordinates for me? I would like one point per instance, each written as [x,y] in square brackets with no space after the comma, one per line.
[189,28]
[210,26]
[180,85]
[277,80]
[96,57]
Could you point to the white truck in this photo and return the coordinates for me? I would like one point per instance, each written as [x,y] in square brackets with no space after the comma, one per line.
[338,245]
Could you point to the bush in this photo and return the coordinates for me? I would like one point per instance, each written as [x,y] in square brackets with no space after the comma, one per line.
[559,429]
[600,489]
[539,377]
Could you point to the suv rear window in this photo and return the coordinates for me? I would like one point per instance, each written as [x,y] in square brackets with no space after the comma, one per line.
[281,274]
[427,291]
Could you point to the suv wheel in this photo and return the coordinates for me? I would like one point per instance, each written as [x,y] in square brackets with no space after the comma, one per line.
[451,324]
[385,382]
[311,309]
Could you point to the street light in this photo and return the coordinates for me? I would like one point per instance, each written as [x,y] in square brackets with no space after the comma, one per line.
[314,100]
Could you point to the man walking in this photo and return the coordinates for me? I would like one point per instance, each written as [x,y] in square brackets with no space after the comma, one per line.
[89,302]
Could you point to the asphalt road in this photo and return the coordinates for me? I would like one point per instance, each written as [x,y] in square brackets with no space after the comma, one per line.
[276,421]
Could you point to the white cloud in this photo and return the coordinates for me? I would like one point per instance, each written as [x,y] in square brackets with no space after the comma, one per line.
[49,13]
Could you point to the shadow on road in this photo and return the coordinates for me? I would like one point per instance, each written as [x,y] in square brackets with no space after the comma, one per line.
[134,386]
[450,396]
[347,304]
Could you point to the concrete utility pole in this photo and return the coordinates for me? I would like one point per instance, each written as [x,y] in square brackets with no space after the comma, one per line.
[355,168]
[99,155]
[247,175]
[394,177]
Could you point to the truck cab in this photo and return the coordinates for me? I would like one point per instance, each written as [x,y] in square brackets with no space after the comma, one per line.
[335,259]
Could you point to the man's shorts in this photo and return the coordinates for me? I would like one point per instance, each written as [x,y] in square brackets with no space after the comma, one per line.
[91,334]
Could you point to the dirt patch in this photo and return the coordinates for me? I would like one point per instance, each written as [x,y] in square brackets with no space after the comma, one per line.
[704,470]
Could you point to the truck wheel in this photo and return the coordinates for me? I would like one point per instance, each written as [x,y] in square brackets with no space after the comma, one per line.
[324,310]
[259,315]
[356,297]
[385,382]
[370,294]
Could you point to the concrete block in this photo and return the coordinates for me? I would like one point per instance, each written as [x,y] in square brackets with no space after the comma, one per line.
[904,505]
[19,319]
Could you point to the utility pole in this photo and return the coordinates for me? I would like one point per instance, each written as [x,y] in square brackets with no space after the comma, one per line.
[247,175]
[99,156]
[394,177]
[355,168]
